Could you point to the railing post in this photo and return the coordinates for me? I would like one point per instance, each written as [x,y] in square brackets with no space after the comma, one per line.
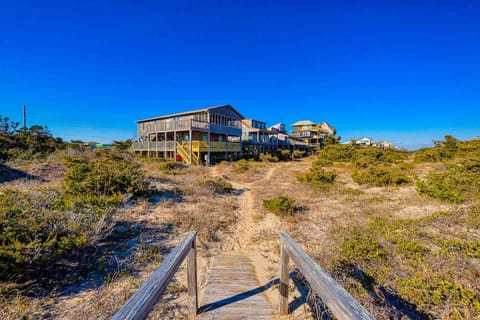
[283,297]
[192,278]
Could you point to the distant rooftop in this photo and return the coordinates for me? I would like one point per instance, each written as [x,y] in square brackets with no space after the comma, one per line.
[303,123]
[185,113]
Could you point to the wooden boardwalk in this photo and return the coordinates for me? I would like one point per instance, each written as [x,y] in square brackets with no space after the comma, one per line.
[233,292]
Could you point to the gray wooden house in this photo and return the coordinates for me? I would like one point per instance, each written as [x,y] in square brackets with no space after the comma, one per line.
[198,136]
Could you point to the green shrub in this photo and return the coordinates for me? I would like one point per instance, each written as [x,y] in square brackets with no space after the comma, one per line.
[218,186]
[330,140]
[321,162]
[41,226]
[318,177]
[341,152]
[435,290]
[380,175]
[26,143]
[447,148]
[460,183]
[372,153]
[469,148]
[284,155]
[170,165]
[267,157]
[297,154]
[360,247]
[412,249]
[243,165]
[444,150]
[281,205]
[105,175]
[427,155]
[377,167]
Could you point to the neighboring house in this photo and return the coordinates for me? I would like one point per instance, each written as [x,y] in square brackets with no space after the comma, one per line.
[204,135]
[255,137]
[279,127]
[370,142]
[364,142]
[383,144]
[310,132]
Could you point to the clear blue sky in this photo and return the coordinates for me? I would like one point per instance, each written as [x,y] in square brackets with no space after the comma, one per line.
[406,71]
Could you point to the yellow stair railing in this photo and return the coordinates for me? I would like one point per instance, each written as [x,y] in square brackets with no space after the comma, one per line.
[184,151]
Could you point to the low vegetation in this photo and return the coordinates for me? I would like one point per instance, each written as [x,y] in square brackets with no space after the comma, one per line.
[243,165]
[282,205]
[460,183]
[389,253]
[17,143]
[317,175]
[425,266]
[40,226]
[219,186]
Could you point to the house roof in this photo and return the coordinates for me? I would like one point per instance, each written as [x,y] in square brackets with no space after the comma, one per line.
[303,123]
[186,113]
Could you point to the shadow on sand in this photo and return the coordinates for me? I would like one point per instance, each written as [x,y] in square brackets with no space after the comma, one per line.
[8,174]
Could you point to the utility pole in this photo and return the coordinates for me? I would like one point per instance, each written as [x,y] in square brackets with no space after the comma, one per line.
[24,117]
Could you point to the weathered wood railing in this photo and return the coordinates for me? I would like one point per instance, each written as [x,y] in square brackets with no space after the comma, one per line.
[143,301]
[335,297]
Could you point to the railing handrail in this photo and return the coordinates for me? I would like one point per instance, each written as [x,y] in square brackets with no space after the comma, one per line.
[335,297]
[144,299]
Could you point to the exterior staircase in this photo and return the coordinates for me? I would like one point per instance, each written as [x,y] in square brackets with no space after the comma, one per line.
[184,151]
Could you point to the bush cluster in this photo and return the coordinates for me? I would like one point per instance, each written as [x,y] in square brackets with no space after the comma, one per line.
[443,150]
[281,205]
[38,227]
[26,143]
[318,177]
[337,152]
[170,166]
[379,175]
[219,186]
[280,155]
[243,165]
[269,157]
[460,183]
[360,247]
[107,174]
[424,276]
[376,167]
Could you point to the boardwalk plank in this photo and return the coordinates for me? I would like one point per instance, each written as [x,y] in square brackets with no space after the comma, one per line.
[234,292]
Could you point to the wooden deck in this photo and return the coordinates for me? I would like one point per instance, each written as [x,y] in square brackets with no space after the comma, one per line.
[234,292]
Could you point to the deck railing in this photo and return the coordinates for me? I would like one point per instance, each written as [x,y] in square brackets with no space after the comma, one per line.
[186,124]
[335,297]
[154,146]
[202,146]
[143,301]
